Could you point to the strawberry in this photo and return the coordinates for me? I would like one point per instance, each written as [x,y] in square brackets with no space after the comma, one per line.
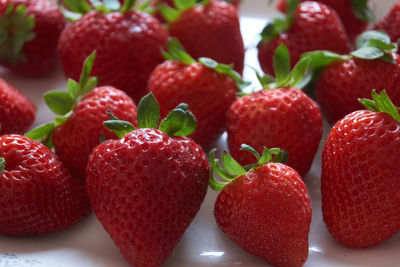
[374,66]
[147,187]
[37,193]
[208,29]
[277,224]
[306,27]
[391,23]
[30,31]
[207,87]
[83,111]
[279,116]
[360,175]
[127,42]
[17,112]
[354,14]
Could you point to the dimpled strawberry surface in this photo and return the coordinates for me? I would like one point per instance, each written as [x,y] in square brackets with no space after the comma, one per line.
[360,179]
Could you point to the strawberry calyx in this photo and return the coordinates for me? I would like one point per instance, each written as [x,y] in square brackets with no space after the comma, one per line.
[231,169]
[381,103]
[172,14]
[16,29]
[281,23]
[63,102]
[77,8]
[177,52]
[298,77]
[179,122]
[2,164]
[362,11]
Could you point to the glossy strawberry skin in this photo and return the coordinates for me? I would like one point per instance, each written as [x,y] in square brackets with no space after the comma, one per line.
[315,27]
[37,193]
[17,112]
[360,179]
[353,25]
[211,31]
[146,189]
[284,118]
[75,139]
[268,213]
[391,23]
[343,82]
[208,94]
[128,48]
[41,52]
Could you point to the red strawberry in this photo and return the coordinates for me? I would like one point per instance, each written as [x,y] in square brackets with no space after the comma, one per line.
[266,210]
[37,193]
[81,128]
[147,187]
[391,23]
[127,42]
[207,87]
[309,26]
[17,112]
[211,30]
[344,81]
[354,15]
[360,175]
[282,117]
[32,29]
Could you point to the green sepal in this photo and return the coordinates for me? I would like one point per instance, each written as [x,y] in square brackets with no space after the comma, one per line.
[217,168]
[172,14]
[41,131]
[177,52]
[16,29]
[362,11]
[145,6]
[281,155]
[281,62]
[2,165]
[127,5]
[119,127]
[268,155]
[231,165]
[60,102]
[148,112]
[106,6]
[179,122]
[320,58]
[381,103]
[281,23]
[375,45]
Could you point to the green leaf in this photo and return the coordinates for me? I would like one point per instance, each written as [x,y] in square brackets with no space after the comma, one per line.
[214,184]
[78,6]
[60,102]
[177,52]
[120,128]
[368,104]
[231,165]
[127,5]
[148,112]
[384,104]
[89,86]
[170,14]
[208,62]
[87,69]
[301,74]
[60,120]
[362,11]
[41,131]
[364,39]
[69,15]
[320,59]
[266,157]
[281,62]
[215,166]
[281,157]
[368,53]
[2,165]
[184,4]
[251,150]
[73,89]
[179,122]
[381,45]
[273,28]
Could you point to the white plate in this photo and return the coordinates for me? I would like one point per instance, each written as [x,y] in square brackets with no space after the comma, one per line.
[87,244]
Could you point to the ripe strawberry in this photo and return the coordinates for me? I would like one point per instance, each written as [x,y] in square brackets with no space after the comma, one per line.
[17,112]
[31,29]
[266,209]
[354,15]
[360,175]
[278,116]
[391,23]
[79,130]
[37,194]
[308,26]
[374,65]
[127,42]
[207,87]
[147,187]
[208,29]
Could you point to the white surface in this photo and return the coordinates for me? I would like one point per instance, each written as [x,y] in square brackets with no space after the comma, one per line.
[87,244]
